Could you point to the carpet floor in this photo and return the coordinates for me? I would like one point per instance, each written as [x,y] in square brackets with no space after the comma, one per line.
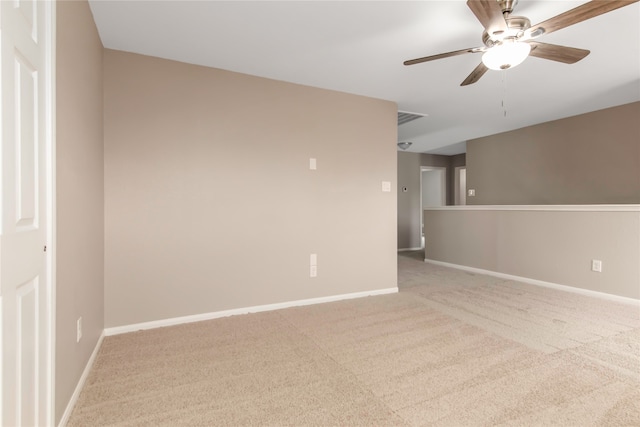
[450,349]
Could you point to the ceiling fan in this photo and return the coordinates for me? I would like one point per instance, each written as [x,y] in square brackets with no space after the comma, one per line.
[509,40]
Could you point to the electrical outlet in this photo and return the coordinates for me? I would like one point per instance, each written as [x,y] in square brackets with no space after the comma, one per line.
[471,192]
[596,265]
[313,265]
[79,329]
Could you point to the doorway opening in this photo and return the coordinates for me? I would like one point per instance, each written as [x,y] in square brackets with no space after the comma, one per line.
[433,192]
[460,196]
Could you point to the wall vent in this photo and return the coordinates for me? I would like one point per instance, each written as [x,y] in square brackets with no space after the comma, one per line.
[406,117]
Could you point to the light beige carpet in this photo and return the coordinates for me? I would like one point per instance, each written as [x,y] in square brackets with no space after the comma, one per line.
[451,349]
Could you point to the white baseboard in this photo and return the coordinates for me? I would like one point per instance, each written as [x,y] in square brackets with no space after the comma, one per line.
[566,288]
[226,313]
[409,249]
[81,381]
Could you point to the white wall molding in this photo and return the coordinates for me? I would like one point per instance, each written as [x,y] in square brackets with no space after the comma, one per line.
[410,249]
[255,309]
[81,381]
[562,208]
[566,288]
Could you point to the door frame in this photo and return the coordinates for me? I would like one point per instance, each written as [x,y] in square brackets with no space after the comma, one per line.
[50,68]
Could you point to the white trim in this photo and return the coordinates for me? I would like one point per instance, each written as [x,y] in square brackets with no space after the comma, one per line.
[566,288]
[564,208]
[226,313]
[410,249]
[81,381]
[411,112]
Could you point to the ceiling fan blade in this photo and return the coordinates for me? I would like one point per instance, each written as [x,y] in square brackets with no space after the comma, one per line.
[489,14]
[475,75]
[443,55]
[554,52]
[578,14]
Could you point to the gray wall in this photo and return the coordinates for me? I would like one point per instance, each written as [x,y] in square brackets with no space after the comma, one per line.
[79,195]
[553,245]
[409,210]
[209,201]
[409,202]
[593,158]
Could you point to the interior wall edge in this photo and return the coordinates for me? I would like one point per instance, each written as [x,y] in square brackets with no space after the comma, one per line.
[83,379]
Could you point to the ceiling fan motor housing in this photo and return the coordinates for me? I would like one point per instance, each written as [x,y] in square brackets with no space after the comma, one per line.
[517,26]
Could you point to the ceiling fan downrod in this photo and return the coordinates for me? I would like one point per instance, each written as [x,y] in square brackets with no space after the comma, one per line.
[507,6]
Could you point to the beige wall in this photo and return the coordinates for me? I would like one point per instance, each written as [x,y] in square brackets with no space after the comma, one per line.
[409,209]
[554,246]
[593,158]
[209,201]
[409,203]
[79,195]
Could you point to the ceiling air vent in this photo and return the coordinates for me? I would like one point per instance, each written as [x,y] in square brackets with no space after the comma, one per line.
[406,117]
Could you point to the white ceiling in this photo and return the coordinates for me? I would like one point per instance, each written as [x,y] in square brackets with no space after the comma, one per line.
[359,46]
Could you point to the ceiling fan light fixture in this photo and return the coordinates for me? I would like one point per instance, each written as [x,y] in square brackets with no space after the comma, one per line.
[507,54]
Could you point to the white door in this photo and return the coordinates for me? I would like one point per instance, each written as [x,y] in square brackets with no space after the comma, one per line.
[25,212]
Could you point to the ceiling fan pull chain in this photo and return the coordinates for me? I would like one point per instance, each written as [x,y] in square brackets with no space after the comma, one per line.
[504,93]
